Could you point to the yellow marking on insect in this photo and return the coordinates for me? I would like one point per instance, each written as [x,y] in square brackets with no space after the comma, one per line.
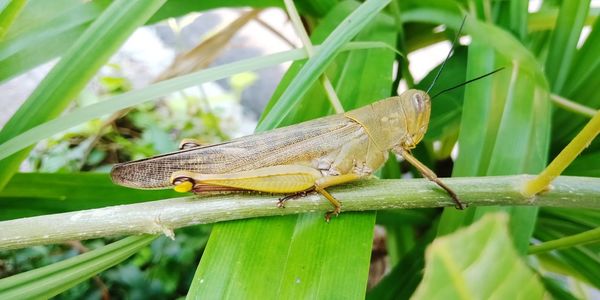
[183,187]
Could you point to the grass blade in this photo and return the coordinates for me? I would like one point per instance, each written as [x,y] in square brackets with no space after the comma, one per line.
[563,42]
[317,64]
[56,25]
[582,88]
[290,254]
[8,14]
[71,74]
[119,102]
[54,279]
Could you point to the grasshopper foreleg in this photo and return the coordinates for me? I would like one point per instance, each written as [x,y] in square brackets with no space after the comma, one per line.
[429,174]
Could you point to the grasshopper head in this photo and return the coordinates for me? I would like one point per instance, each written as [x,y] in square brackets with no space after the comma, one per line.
[416,106]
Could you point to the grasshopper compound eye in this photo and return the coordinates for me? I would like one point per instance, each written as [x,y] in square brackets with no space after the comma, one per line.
[183,184]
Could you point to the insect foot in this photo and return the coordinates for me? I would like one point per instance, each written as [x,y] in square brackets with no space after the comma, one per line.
[282,200]
[335,212]
[460,205]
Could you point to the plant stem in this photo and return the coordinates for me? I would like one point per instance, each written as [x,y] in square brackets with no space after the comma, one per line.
[310,51]
[165,215]
[581,141]
[589,236]
[573,106]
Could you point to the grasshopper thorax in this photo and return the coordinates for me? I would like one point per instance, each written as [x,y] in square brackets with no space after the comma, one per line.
[399,121]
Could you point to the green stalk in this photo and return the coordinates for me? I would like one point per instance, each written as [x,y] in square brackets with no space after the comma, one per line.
[573,106]
[586,237]
[581,141]
[166,215]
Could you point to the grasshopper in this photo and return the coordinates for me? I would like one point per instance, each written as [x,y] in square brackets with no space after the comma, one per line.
[309,156]
[297,159]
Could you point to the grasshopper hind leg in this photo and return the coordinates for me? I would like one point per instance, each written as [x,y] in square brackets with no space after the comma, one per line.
[337,205]
[319,187]
[296,180]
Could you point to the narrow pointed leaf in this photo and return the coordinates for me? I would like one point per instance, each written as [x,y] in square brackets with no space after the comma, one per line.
[302,256]
[49,281]
[66,80]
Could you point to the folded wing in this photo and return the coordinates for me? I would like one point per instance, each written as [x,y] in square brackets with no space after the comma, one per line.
[296,144]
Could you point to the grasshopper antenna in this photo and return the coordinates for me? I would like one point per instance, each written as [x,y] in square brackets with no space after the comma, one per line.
[467,82]
[449,53]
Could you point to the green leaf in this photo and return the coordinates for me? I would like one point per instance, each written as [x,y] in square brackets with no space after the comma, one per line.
[513,16]
[582,260]
[316,65]
[279,257]
[122,101]
[52,280]
[56,193]
[56,25]
[71,74]
[8,14]
[563,44]
[477,262]
[496,121]
[581,88]
[177,8]
[557,289]
[301,256]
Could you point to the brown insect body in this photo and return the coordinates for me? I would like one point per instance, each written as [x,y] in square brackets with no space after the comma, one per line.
[308,156]
[357,141]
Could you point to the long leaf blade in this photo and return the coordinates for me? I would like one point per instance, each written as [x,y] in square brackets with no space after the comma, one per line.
[56,278]
[119,102]
[343,33]
[301,254]
[76,68]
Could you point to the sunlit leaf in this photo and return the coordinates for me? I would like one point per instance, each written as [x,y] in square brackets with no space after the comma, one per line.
[478,262]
